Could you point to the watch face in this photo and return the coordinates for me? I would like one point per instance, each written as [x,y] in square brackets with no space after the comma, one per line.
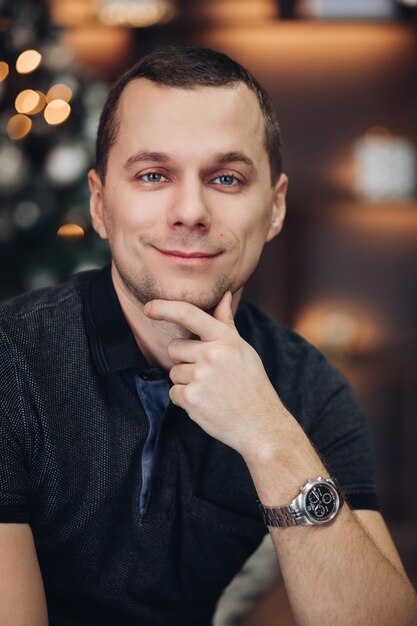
[321,502]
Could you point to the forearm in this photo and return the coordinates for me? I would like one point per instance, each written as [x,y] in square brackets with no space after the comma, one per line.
[334,574]
[22,595]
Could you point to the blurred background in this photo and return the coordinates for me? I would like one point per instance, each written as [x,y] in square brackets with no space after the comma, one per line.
[343,78]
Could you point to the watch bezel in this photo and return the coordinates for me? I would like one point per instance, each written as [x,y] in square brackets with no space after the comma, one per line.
[306,490]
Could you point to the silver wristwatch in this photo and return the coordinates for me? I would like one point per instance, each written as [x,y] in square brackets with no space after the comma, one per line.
[319,502]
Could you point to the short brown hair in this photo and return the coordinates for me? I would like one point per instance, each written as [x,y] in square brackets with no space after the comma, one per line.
[187,68]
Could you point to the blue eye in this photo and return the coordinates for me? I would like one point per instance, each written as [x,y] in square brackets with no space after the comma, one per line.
[153,177]
[227,180]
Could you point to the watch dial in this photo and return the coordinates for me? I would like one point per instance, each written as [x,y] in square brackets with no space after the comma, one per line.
[320,502]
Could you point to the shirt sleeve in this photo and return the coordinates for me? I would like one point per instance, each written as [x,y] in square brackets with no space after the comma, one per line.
[14,482]
[340,434]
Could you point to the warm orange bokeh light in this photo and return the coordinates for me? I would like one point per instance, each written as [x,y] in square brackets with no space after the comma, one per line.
[27,101]
[42,101]
[59,92]
[57,112]
[70,232]
[28,61]
[364,47]
[338,326]
[235,12]
[73,13]
[4,70]
[18,126]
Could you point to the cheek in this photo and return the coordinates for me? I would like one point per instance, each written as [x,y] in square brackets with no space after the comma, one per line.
[252,241]
[127,212]
[252,235]
[249,245]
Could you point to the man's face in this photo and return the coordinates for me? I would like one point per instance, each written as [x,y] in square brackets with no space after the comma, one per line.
[187,204]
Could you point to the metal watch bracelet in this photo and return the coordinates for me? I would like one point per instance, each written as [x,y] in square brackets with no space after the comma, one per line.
[318,503]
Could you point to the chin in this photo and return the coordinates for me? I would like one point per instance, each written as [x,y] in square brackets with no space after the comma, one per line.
[205,302]
[145,287]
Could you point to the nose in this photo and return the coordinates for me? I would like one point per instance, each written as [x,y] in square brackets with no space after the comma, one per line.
[189,209]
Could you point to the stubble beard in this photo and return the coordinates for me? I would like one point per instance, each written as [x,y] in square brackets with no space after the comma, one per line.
[144,287]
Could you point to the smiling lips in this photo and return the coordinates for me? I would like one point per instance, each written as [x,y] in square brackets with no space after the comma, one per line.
[185,256]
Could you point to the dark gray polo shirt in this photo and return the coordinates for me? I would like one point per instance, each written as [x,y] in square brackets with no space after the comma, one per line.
[73,432]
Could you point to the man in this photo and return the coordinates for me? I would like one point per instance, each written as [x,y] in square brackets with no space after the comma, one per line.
[144,410]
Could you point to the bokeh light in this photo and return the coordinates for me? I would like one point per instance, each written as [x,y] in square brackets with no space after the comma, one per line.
[133,14]
[70,232]
[385,166]
[27,101]
[59,92]
[41,103]
[340,327]
[28,61]
[57,57]
[66,163]
[26,214]
[18,126]
[56,112]
[14,167]
[4,70]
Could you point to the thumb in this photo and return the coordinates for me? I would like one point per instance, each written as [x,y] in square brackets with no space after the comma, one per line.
[223,311]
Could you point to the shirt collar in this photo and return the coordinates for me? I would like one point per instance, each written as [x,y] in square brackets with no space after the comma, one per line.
[112,343]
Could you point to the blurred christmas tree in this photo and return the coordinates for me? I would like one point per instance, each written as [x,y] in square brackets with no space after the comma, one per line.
[48,118]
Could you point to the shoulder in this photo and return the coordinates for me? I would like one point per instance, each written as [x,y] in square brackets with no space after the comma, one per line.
[300,373]
[44,312]
[31,302]
[277,344]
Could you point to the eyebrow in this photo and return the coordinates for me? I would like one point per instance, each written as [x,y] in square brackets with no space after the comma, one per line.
[155,157]
[220,158]
[234,157]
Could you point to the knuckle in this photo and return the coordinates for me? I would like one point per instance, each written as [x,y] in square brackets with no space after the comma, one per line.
[189,395]
[213,355]
[198,373]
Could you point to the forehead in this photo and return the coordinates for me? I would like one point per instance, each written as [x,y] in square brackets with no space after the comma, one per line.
[157,117]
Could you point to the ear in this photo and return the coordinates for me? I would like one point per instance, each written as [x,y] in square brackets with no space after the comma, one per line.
[96,203]
[278,207]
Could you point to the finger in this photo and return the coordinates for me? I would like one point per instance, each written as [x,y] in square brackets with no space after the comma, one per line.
[223,311]
[181,374]
[176,395]
[187,315]
[184,350]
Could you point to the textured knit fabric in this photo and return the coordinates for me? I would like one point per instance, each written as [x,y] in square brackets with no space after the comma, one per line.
[72,436]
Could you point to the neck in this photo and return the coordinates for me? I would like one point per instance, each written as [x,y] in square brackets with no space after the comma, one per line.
[152,336]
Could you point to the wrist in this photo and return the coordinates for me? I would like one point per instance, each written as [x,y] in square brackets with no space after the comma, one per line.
[317,503]
[281,464]
[275,435]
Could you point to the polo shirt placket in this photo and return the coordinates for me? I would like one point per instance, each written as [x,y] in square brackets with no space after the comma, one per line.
[114,349]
